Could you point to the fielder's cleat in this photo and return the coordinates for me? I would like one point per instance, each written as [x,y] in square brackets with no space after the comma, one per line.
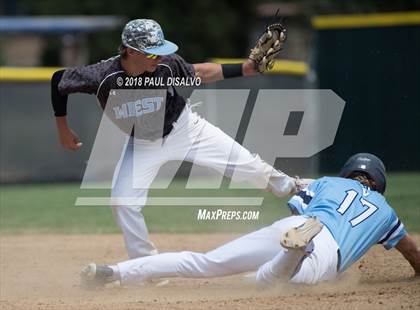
[299,237]
[96,276]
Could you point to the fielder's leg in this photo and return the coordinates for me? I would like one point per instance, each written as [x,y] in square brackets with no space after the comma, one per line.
[198,141]
[128,200]
[138,168]
[215,149]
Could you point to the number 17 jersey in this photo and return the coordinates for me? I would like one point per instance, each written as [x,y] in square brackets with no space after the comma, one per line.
[356,216]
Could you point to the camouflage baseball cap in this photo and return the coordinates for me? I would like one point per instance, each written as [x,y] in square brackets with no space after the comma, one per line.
[146,35]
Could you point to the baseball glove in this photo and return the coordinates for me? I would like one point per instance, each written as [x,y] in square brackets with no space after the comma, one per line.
[268,47]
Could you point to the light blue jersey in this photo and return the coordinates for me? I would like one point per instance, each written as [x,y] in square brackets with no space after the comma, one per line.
[356,216]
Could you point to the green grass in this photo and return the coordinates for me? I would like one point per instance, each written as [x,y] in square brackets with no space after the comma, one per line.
[49,208]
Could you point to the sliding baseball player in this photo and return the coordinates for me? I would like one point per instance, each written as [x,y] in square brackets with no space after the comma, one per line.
[336,221]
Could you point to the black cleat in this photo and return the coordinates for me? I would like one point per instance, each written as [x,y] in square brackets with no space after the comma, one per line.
[96,276]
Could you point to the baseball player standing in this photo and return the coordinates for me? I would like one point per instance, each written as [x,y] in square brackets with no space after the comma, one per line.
[144,53]
[337,220]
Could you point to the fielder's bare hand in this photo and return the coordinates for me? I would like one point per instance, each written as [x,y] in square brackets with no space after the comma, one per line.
[68,138]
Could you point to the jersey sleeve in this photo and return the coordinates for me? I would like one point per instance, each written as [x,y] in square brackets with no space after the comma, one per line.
[180,68]
[394,232]
[300,201]
[80,80]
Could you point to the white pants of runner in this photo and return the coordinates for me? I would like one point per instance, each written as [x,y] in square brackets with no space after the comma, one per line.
[259,250]
[192,139]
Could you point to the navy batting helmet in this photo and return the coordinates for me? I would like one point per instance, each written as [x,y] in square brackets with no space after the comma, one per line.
[369,164]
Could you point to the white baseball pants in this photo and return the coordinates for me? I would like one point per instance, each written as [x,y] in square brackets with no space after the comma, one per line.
[259,250]
[192,139]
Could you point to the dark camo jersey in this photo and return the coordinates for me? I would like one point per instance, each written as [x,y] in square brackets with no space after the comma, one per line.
[101,78]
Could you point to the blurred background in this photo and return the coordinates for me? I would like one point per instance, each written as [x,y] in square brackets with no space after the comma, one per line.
[365,51]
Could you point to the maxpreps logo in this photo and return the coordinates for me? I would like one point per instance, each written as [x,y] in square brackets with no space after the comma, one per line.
[138,108]
[283,124]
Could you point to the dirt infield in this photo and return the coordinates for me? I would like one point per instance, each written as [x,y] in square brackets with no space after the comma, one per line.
[41,272]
